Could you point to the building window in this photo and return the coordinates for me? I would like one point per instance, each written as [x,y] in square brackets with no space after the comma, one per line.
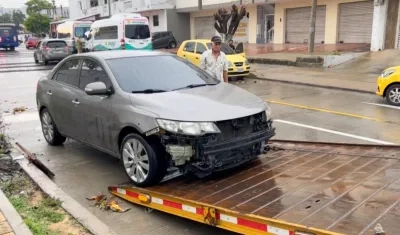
[94,3]
[155,20]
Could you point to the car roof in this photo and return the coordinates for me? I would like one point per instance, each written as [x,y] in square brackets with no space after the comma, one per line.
[113,54]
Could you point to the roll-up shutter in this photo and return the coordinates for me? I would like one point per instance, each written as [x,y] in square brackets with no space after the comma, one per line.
[204,27]
[298,24]
[355,22]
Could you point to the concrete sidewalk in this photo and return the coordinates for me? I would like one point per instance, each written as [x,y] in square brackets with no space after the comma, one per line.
[325,78]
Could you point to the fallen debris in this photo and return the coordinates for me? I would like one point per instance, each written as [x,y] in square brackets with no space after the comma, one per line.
[105,204]
[19,110]
[32,159]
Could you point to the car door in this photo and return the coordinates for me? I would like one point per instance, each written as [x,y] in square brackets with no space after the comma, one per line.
[200,48]
[64,104]
[95,109]
[188,51]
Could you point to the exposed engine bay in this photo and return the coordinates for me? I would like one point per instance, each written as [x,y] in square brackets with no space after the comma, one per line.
[239,141]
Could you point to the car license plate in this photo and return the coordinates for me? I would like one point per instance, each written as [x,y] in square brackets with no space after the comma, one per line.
[240,69]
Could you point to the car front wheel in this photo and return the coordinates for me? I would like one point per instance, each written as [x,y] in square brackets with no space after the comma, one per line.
[393,95]
[49,129]
[143,162]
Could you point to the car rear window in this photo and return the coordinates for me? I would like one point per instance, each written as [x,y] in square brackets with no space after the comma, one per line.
[56,44]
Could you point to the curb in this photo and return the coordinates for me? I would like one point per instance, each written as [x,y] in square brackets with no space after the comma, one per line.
[313,85]
[13,218]
[70,205]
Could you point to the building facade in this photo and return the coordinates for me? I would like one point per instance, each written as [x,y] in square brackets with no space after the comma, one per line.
[374,22]
[162,14]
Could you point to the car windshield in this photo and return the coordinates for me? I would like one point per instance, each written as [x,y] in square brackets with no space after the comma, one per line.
[224,48]
[158,73]
[80,31]
[136,31]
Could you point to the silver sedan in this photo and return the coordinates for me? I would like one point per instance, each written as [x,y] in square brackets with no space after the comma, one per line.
[161,115]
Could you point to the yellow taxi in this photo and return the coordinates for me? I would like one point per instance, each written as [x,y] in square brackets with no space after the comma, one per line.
[238,65]
[389,85]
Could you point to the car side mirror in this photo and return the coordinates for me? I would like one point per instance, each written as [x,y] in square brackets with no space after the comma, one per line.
[96,88]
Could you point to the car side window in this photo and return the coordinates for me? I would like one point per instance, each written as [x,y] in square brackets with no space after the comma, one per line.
[189,47]
[68,73]
[200,48]
[92,72]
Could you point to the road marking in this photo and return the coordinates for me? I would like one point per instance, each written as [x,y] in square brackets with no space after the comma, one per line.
[330,111]
[335,132]
[383,105]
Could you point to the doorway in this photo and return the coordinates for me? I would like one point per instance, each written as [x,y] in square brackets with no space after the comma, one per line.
[269,28]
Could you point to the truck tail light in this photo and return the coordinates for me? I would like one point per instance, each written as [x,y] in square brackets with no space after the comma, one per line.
[15,38]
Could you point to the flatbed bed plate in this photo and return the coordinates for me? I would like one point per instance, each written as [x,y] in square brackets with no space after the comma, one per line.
[341,188]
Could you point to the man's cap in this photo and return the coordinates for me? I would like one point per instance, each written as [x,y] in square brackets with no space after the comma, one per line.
[216,39]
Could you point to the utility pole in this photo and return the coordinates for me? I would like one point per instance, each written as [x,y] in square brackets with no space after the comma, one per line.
[109,8]
[311,40]
[54,9]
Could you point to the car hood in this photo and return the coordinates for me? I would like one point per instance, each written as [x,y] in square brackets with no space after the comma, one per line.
[235,58]
[209,103]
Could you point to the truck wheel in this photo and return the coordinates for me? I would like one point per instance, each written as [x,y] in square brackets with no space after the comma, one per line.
[393,95]
[143,163]
[49,129]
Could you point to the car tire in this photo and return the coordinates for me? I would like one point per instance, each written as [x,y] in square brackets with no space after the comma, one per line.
[49,129]
[135,167]
[172,45]
[393,95]
[36,60]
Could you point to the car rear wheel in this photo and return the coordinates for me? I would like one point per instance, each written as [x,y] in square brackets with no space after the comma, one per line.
[143,162]
[49,129]
[172,45]
[393,95]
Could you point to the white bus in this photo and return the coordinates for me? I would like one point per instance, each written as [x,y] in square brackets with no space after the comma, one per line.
[120,32]
[71,30]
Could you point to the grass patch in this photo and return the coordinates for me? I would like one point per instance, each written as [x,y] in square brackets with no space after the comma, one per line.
[42,214]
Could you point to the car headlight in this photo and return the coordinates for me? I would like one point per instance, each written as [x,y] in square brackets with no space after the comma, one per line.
[387,72]
[268,113]
[188,128]
[230,64]
[246,62]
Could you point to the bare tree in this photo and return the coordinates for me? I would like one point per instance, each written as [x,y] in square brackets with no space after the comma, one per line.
[223,18]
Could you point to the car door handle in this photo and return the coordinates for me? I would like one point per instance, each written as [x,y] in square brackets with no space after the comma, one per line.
[75,102]
[49,93]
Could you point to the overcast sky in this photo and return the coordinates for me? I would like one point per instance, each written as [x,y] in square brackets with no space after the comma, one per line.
[21,3]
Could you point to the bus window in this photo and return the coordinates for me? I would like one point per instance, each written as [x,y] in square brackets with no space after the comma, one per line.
[80,31]
[137,31]
[63,31]
[106,33]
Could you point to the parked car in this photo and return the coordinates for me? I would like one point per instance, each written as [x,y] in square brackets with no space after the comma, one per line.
[51,50]
[163,39]
[238,66]
[31,43]
[388,85]
[176,118]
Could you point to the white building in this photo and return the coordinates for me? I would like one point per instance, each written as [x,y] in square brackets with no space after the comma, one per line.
[162,14]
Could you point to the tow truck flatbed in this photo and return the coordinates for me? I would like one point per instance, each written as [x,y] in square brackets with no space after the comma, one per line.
[297,188]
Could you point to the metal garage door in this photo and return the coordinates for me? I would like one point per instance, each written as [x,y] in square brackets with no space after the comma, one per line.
[355,22]
[298,24]
[204,27]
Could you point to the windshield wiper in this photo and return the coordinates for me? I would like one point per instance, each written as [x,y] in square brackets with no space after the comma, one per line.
[193,86]
[148,91]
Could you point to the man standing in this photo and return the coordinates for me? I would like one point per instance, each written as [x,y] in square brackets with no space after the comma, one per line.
[79,45]
[214,60]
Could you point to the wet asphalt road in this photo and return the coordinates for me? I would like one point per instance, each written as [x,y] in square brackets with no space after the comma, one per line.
[300,113]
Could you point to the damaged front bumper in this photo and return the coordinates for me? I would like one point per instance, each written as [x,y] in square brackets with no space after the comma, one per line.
[216,152]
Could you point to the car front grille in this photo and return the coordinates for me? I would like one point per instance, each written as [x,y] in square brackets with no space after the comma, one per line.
[238,64]
[239,127]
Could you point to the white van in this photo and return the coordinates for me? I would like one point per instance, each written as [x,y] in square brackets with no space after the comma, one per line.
[120,32]
[71,30]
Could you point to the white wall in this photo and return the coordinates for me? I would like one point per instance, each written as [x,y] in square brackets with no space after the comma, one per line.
[379,27]
[74,9]
[186,3]
[162,20]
